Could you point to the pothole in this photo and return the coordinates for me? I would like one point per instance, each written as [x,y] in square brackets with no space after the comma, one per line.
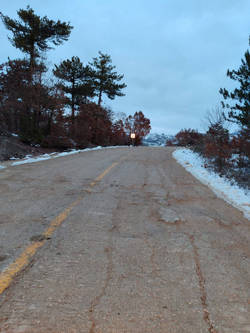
[2,258]
[37,238]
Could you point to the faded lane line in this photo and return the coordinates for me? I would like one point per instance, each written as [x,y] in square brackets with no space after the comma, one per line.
[8,274]
[106,171]
[58,220]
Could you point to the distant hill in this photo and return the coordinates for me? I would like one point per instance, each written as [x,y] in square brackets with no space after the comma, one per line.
[156,140]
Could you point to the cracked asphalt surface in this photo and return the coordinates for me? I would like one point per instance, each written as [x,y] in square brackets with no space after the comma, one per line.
[148,248]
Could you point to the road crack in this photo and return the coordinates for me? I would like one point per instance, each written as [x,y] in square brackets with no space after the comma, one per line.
[201,278]
[97,299]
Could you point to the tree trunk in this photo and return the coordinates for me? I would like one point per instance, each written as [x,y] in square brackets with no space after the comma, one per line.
[100,98]
[73,102]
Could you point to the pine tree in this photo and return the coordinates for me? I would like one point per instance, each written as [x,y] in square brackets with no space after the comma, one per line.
[240,112]
[106,80]
[32,34]
[87,86]
[72,73]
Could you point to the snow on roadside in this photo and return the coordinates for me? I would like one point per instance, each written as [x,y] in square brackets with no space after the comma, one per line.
[31,159]
[219,185]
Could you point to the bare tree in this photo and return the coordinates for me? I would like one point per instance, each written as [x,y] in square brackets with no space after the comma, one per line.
[214,116]
[119,116]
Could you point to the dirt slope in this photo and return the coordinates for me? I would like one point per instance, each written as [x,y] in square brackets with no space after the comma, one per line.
[11,146]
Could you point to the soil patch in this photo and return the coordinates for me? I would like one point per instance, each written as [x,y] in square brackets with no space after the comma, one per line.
[11,146]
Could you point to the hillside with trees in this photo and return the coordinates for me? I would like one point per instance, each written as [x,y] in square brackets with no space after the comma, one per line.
[63,110]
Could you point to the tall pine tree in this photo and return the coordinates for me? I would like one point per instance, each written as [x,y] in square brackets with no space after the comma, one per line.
[106,80]
[76,81]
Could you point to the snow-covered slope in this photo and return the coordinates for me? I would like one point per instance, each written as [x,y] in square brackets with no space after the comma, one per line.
[155,140]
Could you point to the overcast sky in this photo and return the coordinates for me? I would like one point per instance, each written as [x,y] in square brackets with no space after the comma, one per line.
[174,54]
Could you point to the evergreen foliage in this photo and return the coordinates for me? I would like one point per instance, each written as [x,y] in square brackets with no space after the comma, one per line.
[240,112]
[106,80]
[71,74]
[32,34]
[87,86]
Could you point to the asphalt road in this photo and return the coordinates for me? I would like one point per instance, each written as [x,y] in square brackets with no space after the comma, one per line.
[119,240]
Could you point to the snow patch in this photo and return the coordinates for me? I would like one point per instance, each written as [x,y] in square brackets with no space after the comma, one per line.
[32,160]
